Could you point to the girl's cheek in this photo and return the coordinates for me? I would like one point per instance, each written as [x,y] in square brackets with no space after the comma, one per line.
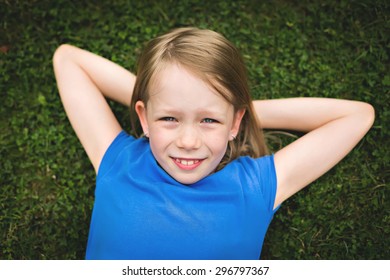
[217,143]
[161,136]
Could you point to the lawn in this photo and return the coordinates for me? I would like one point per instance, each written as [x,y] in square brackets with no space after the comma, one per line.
[337,49]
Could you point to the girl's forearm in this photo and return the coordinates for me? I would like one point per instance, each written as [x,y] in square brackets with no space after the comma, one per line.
[333,127]
[306,114]
[112,80]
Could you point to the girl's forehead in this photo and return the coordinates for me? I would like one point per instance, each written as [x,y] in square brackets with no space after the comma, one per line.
[173,75]
[175,86]
[174,78]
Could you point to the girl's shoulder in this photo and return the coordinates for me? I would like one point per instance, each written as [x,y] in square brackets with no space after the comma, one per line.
[260,175]
[123,142]
[258,167]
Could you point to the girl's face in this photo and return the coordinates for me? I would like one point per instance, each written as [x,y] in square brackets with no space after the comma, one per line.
[188,124]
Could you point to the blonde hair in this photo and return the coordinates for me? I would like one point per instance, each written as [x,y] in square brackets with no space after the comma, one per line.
[215,60]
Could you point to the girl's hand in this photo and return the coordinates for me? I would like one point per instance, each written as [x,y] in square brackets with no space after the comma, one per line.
[334,127]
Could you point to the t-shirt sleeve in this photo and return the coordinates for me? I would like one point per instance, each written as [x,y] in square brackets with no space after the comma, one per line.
[266,175]
[117,145]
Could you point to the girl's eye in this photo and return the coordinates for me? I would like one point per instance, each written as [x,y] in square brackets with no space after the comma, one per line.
[208,120]
[168,119]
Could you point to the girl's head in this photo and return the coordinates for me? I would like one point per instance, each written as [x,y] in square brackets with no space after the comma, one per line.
[201,67]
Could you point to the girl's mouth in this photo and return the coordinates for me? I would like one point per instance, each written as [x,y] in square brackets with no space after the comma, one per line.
[187,164]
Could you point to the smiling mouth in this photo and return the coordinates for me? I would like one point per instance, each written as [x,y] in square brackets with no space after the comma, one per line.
[187,164]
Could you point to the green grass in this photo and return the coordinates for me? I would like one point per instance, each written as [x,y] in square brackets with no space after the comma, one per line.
[292,48]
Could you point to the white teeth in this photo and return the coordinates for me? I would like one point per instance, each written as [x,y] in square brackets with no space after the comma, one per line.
[187,162]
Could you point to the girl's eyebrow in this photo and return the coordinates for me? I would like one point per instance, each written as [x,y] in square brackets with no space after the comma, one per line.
[211,112]
[201,111]
[168,111]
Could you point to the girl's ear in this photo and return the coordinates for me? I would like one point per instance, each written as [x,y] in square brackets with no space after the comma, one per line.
[236,122]
[140,108]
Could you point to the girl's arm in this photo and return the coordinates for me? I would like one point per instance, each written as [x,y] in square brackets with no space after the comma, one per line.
[333,128]
[84,80]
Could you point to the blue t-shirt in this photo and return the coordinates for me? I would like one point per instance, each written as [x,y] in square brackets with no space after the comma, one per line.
[141,212]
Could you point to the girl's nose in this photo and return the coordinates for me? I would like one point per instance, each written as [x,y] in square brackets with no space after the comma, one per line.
[189,138]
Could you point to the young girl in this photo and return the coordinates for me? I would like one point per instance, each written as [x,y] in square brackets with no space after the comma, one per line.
[195,182]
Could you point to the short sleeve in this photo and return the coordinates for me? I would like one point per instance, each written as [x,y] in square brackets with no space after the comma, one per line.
[266,175]
[117,145]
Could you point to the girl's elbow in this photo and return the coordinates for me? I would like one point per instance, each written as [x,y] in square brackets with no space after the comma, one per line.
[367,112]
[370,111]
[60,53]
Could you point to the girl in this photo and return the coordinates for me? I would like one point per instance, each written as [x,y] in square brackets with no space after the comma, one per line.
[197,182]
